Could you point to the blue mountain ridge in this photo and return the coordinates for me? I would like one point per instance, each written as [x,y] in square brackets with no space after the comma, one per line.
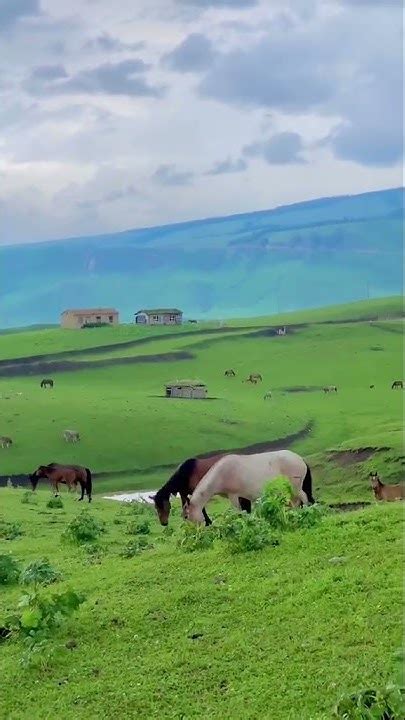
[309,254]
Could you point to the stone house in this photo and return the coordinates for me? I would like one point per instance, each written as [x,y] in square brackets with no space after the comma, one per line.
[190,389]
[159,316]
[76,319]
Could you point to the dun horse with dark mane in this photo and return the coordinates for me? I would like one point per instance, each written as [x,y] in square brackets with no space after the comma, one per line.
[70,475]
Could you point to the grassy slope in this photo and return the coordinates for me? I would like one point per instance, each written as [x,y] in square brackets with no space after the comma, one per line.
[281,633]
[127,425]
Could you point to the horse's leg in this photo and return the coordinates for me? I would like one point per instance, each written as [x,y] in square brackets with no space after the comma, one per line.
[55,487]
[207,519]
[245,505]
[82,488]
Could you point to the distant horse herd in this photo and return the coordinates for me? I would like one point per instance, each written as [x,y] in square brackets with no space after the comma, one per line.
[240,478]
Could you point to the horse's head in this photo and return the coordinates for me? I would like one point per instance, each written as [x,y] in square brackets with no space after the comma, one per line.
[35,476]
[375,480]
[193,513]
[162,507]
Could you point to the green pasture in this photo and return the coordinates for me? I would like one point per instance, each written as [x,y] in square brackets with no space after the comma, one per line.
[132,435]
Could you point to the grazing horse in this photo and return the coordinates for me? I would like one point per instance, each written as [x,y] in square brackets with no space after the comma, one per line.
[230,373]
[5,442]
[184,481]
[71,436]
[254,378]
[246,475]
[267,395]
[70,475]
[389,493]
[397,384]
[329,389]
[47,382]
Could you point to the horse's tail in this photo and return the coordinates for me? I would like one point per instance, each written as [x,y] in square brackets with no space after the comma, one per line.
[307,486]
[34,481]
[89,484]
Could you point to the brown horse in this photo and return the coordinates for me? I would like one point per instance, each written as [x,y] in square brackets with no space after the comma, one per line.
[389,493]
[70,475]
[397,384]
[254,378]
[184,481]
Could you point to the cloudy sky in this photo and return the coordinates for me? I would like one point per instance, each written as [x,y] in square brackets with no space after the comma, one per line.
[142,112]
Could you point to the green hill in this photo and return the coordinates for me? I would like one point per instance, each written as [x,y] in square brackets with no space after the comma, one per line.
[326,251]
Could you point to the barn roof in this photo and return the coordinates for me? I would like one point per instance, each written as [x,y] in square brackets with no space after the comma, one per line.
[159,311]
[83,311]
[185,383]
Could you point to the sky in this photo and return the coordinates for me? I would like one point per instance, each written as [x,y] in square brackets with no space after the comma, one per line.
[146,112]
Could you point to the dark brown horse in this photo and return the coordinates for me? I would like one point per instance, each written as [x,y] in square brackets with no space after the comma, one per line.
[397,384]
[230,373]
[184,481]
[70,475]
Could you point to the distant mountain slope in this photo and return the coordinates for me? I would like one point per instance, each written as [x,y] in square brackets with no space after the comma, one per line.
[331,250]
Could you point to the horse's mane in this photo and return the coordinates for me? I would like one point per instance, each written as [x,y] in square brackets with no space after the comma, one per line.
[177,482]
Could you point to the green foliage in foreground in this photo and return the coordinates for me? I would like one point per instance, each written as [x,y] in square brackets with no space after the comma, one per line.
[9,570]
[281,632]
[387,704]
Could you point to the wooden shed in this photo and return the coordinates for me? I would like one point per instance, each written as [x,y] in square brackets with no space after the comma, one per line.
[191,389]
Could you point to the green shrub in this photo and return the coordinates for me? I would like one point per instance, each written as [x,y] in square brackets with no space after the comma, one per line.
[135,547]
[10,530]
[244,533]
[39,572]
[387,704]
[273,503]
[38,615]
[306,517]
[84,528]
[9,570]
[195,537]
[138,527]
[29,498]
[55,503]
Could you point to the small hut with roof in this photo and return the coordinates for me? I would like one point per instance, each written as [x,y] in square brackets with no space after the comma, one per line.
[191,389]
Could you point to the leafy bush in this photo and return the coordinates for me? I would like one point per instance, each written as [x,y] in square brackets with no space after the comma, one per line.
[135,547]
[10,530]
[55,503]
[387,704]
[244,533]
[39,572]
[195,537]
[29,498]
[138,527]
[9,570]
[84,528]
[273,503]
[306,517]
[38,615]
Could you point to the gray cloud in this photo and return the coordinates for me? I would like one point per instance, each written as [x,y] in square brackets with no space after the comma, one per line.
[204,4]
[107,43]
[381,4]
[284,73]
[121,78]
[170,176]
[11,11]
[282,149]
[228,166]
[195,53]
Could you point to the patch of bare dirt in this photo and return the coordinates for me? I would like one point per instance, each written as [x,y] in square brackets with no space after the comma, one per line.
[343,458]
[347,507]
[301,388]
